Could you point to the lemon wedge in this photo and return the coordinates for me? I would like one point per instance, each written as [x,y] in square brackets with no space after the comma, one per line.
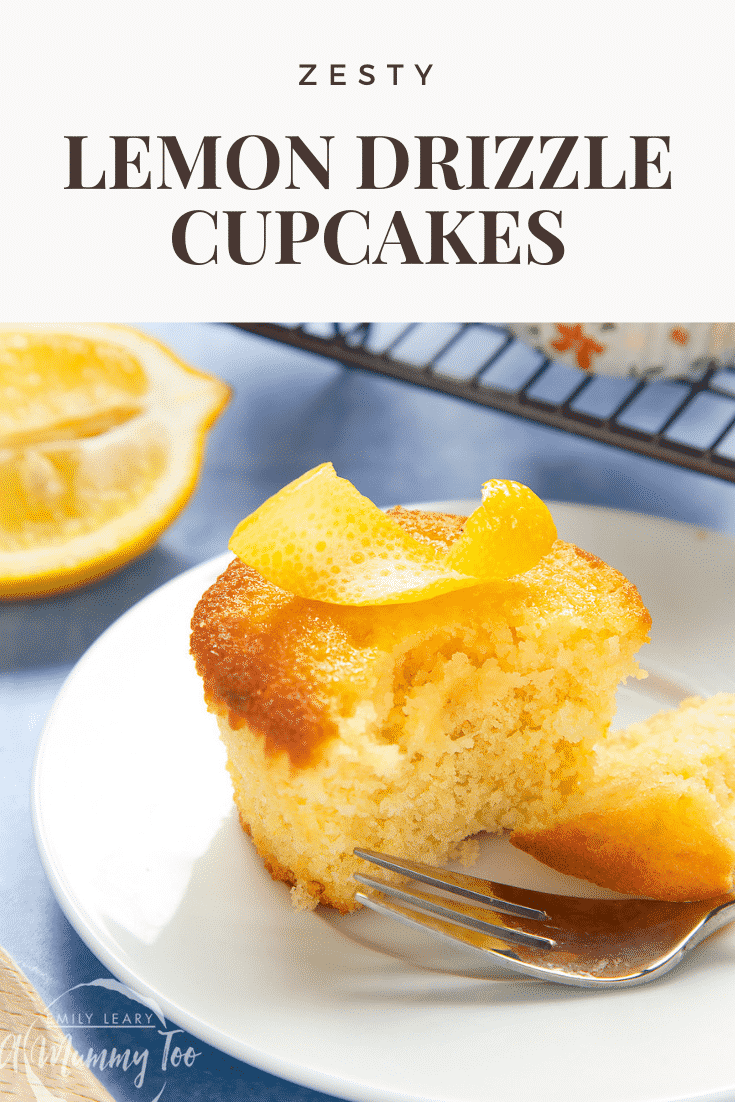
[320,538]
[101,437]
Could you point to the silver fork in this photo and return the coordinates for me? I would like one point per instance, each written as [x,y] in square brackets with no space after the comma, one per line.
[560,938]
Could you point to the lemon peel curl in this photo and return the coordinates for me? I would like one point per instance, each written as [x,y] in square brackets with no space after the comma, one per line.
[320,538]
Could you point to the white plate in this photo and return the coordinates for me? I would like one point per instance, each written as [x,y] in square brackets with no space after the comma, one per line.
[135,826]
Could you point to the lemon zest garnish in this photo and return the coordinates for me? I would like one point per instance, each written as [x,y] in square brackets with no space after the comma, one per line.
[320,538]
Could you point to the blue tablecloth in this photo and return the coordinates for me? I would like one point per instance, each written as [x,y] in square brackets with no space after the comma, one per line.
[289,412]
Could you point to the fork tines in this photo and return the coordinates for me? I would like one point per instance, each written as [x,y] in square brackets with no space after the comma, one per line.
[456,884]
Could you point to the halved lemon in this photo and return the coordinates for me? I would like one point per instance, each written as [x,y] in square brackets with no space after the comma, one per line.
[102,432]
[321,538]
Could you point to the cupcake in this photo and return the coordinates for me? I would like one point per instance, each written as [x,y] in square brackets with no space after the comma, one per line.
[359,711]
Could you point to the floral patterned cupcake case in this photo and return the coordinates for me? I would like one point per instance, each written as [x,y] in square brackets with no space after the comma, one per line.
[641,350]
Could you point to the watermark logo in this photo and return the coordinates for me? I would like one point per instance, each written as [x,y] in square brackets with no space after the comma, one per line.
[109,1029]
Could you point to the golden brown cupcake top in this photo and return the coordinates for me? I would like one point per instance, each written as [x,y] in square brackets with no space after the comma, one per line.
[288,666]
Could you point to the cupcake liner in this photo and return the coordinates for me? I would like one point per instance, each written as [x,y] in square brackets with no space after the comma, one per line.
[640,350]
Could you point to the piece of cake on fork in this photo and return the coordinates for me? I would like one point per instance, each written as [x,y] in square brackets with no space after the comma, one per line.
[652,811]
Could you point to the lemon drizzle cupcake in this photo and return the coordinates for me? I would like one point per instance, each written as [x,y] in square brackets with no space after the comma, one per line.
[411,720]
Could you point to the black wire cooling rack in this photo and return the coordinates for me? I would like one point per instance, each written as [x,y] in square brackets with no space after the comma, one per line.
[689,422]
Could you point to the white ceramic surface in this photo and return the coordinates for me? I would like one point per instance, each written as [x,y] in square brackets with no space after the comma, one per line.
[135,825]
